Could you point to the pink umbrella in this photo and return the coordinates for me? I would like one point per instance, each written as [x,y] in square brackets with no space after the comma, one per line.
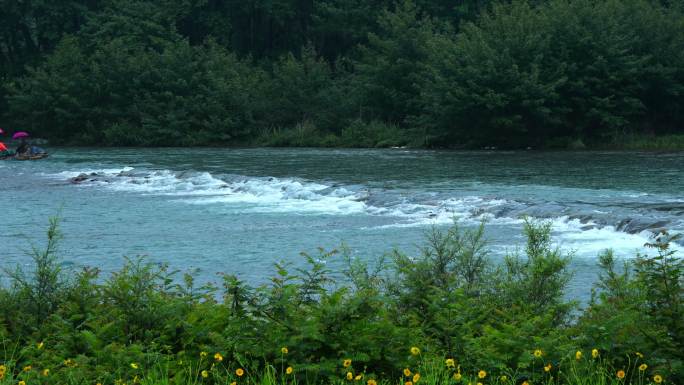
[20,134]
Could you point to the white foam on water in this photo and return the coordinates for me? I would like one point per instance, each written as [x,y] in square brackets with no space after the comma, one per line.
[468,210]
[102,171]
[274,195]
[292,195]
[589,240]
[253,194]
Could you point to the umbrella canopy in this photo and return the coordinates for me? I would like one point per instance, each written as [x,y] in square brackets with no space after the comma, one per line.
[20,134]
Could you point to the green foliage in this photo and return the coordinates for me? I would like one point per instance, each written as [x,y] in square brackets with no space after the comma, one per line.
[145,324]
[36,295]
[374,134]
[473,73]
[638,307]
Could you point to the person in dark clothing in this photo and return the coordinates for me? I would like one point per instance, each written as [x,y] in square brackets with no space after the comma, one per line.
[23,148]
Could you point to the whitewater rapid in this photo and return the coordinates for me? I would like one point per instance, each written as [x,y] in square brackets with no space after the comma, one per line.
[582,227]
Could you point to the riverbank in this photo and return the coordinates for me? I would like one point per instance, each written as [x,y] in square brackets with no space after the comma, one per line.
[447,315]
[388,136]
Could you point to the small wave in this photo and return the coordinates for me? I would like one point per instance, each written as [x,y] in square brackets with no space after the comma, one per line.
[579,226]
[588,238]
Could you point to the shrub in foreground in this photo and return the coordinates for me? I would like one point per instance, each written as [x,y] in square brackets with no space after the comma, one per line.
[447,315]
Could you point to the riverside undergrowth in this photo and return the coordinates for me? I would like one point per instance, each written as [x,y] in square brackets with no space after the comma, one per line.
[448,315]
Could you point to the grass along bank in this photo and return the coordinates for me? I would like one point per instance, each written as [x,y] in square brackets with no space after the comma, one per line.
[446,316]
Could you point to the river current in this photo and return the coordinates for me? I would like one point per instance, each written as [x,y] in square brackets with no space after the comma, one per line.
[240,210]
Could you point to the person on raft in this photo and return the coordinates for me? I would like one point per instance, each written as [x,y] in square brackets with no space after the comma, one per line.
[4,151]
[24,147]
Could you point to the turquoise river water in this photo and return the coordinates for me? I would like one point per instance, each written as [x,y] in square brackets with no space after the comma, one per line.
[240,210]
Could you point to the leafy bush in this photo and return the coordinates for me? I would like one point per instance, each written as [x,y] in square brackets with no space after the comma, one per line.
[447,315]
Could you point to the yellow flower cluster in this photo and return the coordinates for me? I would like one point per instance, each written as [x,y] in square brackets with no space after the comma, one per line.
[409,377]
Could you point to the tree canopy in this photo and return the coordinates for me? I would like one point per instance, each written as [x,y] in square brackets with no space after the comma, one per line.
[424,72]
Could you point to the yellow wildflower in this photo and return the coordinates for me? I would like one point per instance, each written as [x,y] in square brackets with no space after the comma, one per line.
[346,363]
[239,372]
[415,351]
[620,374]
[46,372]
[358,377]
[525,383]
[503,378]
[643,367]
[450,363]
[482,374]
[134,365]
[233,383]
[407,372]
[218,357]
[203,354]
[548,367]
[416,378]
[40,345]
[349,376]
[538,353]
[457,376]
[289,370]
[594,353]
[27,368]
[205,374]
[657,379]
[479,383]
[639,355]
[371,382]
[284,350]
[22,382]
[578,355]
[408,383]
[3,368]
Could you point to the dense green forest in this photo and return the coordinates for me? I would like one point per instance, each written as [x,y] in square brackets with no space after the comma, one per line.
[438,73]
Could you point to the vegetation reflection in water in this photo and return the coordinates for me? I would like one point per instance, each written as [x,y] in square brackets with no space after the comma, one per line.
[446,316]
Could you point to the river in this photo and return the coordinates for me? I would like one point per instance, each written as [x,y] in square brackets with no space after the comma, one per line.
[240,210]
